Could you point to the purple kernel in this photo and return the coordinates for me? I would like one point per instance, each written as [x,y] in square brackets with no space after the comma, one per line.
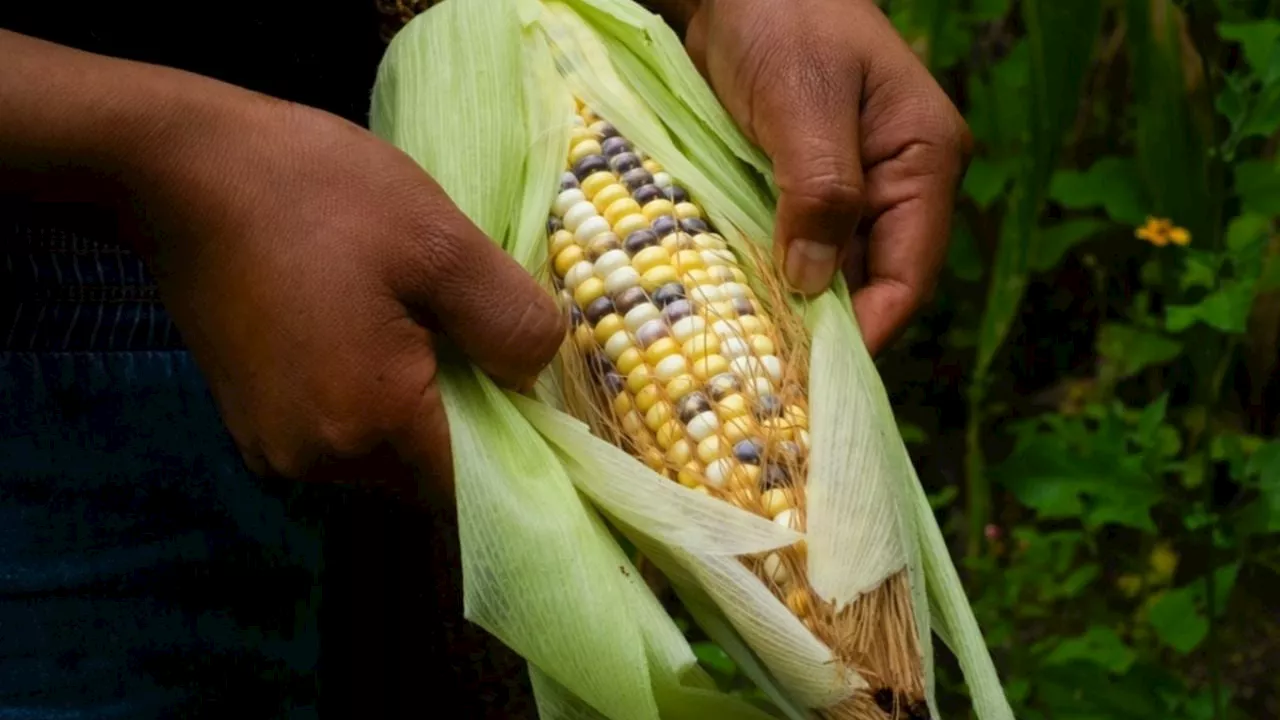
[647,194]
[651,332]
[625,161]
[774,476]
[724,385]
[639,240]
[615,145]
[568,181]
[748,451]
[597,309]
[663,225]
[668,294]
[691,405]
[636,179]
[743,306]
[677,194]
[614,382]
[677,310]
[553,224]
[588,165]
[693,226]
[628,299]
[768,406]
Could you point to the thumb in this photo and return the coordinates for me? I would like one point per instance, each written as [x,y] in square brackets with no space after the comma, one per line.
[808,126]
[489,306]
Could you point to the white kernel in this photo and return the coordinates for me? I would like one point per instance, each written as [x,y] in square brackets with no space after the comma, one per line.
[707,294]
[686,328]
[670,367]
[617,344]
[726,329]
[717,258]
[718,472]
[773,366]
[621,279]
[580,271]
[703,425]
[567,199]
[788,519]
[662,179]
[720,273]
[775,569]
[610,261]
[734,347]
[760,386]
[590,228]
[736,290]
[578,214]
[641,314]
[747,367]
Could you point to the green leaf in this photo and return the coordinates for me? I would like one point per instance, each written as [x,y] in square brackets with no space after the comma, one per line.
[987,10]
[1152,417]
[1264,464]
[1132,349]
[963,257]
[714,658]
[1226,309]
[1056,240]
[1081,578]
[1200,270]
[1111,183]
[1099,645]
[1259,40]
[987,179]
[1247,230]
[1258,183]
[1177,621]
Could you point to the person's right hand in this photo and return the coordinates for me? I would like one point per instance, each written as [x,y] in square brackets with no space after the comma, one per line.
[312,269]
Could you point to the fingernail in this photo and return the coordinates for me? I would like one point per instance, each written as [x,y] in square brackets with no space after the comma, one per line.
[810,265]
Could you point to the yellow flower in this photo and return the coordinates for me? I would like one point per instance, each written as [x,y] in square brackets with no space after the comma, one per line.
[1161,232]
[1164,562]
[1129,584]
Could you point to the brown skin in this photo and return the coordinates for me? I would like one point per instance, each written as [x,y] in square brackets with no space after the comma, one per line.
[313,268]
[867,149]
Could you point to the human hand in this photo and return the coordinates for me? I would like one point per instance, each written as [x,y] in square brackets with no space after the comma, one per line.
[867,149]
[313,269]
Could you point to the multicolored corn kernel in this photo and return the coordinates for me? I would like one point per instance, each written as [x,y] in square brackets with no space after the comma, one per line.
[674,336]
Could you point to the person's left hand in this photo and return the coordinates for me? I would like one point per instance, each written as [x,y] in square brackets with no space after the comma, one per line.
[867,149]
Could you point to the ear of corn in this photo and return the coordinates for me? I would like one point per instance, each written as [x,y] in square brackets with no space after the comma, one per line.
[872,564]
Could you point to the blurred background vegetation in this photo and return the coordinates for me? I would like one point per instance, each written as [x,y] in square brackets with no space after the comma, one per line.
[1093,397]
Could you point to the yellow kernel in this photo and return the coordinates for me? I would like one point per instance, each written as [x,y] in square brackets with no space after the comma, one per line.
[694,278]
[651,394]
[579,134]
[608,325]
[774,501]
[720,310]
[745,479]
[649,258]
[609,195]
[560,240]
[680,386]
[632,423]
[653,458]
[658,276]
[655,209]
[676,241]
[585,148]
[690,475]
[710,366]
[590,289]
[638,378]
[687,260]
[702,489]
[619,209]
[802,439]
[622,404]
[738,429]
[630,224]
[658,415]
[732,406]
[761,345]
[596,182]
[712,449]
[753,325]
[701,345]
[670,436]
[629,359]
[583,338]
[739,276]
[796,417]
[660,349]
[709,241]
[686,210]
[567,258]
[777,429]
[652,166]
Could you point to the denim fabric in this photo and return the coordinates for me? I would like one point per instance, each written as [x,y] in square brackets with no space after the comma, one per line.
[143,572]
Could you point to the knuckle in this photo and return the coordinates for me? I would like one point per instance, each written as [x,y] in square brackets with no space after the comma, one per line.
[344,438]
[832,187]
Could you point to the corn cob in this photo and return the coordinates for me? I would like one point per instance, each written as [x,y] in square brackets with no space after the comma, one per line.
[693,367]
